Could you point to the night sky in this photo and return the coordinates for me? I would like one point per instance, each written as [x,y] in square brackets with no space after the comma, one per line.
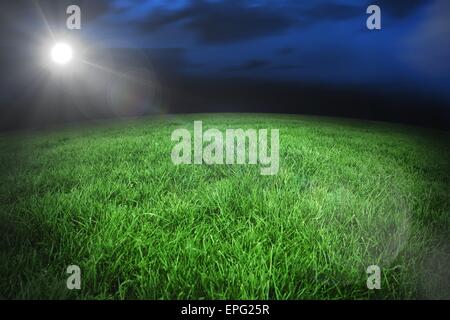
[306,57]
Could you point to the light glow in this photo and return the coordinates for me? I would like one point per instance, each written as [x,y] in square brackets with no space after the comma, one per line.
[61,53]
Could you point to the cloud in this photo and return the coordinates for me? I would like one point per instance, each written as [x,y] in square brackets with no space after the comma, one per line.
[222,22]
[331,11]
[250,65]
[400,8]
[285,51]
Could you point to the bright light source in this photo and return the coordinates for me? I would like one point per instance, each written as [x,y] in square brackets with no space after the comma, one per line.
[62,53]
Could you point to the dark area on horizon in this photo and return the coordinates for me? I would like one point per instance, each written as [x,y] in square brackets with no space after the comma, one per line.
[194,56]
[203,95]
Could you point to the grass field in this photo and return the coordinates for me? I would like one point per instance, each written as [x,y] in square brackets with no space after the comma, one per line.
[106,197]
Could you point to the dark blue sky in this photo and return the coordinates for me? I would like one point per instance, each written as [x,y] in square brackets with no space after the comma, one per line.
[322,41]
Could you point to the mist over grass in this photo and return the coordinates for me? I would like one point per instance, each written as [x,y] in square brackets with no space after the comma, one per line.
[349,194]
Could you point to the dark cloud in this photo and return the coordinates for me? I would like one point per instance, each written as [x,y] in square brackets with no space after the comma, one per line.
[222,22]
[250,65]
[285,51]
[400,8]
[331,11]
[233,21]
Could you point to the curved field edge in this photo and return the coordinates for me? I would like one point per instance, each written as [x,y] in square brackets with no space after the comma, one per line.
[349,194]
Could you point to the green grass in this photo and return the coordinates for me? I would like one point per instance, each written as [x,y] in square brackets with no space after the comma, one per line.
[349,194]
